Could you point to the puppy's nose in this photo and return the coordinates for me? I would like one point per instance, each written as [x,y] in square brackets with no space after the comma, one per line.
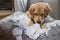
[39,22]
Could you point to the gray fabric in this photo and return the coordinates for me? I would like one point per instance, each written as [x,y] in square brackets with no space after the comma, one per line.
[20,5]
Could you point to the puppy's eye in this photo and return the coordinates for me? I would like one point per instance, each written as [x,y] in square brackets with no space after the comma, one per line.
[35,14]
[33,9]
[42,15]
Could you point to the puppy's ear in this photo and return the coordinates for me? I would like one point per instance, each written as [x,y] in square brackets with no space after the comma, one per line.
[47,9]
[31,12]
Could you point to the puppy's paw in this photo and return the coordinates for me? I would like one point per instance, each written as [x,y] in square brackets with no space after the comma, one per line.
[31,23]
[43,26]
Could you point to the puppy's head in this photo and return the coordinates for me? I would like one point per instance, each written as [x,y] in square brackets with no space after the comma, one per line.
[39,11]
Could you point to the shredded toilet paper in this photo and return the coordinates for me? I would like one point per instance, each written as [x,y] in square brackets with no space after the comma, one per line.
[31,31]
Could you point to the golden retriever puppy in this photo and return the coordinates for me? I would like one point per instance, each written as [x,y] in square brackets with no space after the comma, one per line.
[38,12]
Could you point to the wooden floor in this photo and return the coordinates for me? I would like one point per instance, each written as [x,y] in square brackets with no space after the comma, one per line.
[4,13]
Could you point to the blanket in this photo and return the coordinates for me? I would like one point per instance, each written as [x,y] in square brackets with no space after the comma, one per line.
[22,21]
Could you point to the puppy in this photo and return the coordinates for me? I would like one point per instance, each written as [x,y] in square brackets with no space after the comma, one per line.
[38,12]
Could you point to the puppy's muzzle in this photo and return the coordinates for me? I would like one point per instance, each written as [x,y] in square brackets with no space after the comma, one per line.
[38,22]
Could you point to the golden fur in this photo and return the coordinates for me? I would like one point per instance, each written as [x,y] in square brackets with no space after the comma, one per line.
[38,12]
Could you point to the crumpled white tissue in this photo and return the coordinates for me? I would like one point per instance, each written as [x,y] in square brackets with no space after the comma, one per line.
[31,31]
